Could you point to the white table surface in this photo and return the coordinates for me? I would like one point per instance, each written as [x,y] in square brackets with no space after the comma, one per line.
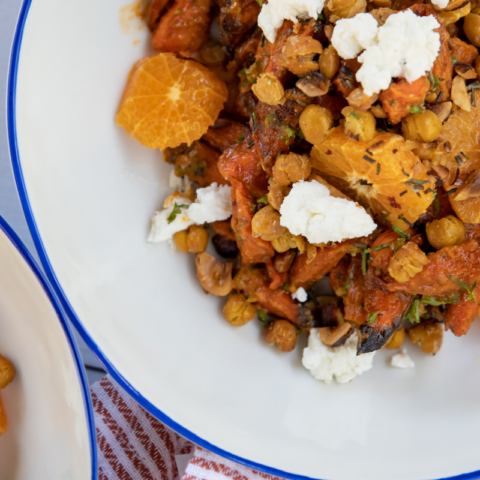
[10,207]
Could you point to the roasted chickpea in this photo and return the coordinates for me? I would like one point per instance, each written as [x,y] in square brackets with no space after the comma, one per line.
[431,97]
[428,335]
[315,121]
[299,52]
[453,16]
[445,232]
[345,8]
[477,66]
[180,239]
[269,89]
[285,242]
[358,99]
[291,168]
[359,123]
[329,62]
[197,239]
[282,333]
[266,224]
[421,127]
[238,311]
[378,111]
[471,28]
[276,194]
[396,340]
[7,372]
[407,262]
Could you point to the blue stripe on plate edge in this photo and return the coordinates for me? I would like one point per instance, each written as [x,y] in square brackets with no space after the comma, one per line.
[22,191]
[22,249]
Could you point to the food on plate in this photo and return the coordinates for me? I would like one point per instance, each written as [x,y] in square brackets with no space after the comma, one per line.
[7,374]
[314,139]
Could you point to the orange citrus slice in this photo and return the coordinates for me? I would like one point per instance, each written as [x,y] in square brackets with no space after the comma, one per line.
[169,101]
[381,174]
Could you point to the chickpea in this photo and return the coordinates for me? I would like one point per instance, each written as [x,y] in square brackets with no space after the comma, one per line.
[358,99]
[282,333]
[7,372]
[378,111]
[428,335]
[238,311]
[197,239]
[276,194]
[269,89]
[291,168]
[431,97]
[329,62]
[421,127]
[180,239]
[345,8]
[284,242]
[359,123]
[477,66]
[471,28]
[299,52]
[315,121]
[396,340]
[266,224]
[445,232]
[407,262]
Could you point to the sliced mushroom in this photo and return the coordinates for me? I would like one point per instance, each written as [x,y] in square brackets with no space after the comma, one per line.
[334,337]
[359,99]
[466,71]
[215,276]
[327,313]
[469,189]
[460,95]
[441,110]
[314,84]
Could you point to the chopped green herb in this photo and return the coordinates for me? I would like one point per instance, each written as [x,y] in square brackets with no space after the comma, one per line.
[289,134]
[381,247]
[403,193]
[454,59]
[413,313]
[241,138]
[263,316]
[384,217]
[458,159]
[404,172]
[378,168]
[417,181]
[427,300]
[260,2]
[360,245]
[401,217]
[321,16]
[303,104]
[416,109]
[393,103]
[177,209]
[179,12]
[254,122]
[399,243]
[263,200]
[364,253]
[371,318]
[250,144]
[453,190]
[400,232]
[468,158]
[285,287]
[354,115]
[275,118]
[465,287]
[368,159]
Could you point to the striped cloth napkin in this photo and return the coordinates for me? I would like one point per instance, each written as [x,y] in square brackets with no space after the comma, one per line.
[134,445]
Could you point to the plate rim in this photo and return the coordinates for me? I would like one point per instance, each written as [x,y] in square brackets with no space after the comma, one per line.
[75,319]
[27,257]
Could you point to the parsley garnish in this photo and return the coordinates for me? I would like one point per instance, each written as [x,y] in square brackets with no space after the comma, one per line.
[454,59]
[241,138]
[371,318]
[413,313]
[354,115]
[416,109]
[263,200]
[364,253]
[400,232]
[177,209]
[289,135]
[381,247]
[263,316]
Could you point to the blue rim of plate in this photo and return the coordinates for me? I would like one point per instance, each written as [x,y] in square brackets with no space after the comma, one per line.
[25,254]
[50,273]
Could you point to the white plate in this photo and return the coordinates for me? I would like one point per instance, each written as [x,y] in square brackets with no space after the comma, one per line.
[88,191]
[50,432]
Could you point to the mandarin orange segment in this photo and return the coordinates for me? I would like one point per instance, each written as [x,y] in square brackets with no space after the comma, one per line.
[169,101]
[382,174]
[459,142]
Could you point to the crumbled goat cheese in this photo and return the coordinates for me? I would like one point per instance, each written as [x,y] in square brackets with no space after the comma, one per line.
[161,230]
[352,35]
[300,295]
[274,12]
[405,46]
[213,203]
[311,211]
[402,360]
[342,362]
[440,3]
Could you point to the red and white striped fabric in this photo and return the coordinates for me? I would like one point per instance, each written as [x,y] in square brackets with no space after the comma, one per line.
[133,445]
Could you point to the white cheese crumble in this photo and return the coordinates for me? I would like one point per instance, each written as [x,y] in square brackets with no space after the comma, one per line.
[300,295]
[402,360]
[405,46]
[213,203]
[274,12]
[174,181]
[161,230]
[342,363]
[311,211]
[441,3]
